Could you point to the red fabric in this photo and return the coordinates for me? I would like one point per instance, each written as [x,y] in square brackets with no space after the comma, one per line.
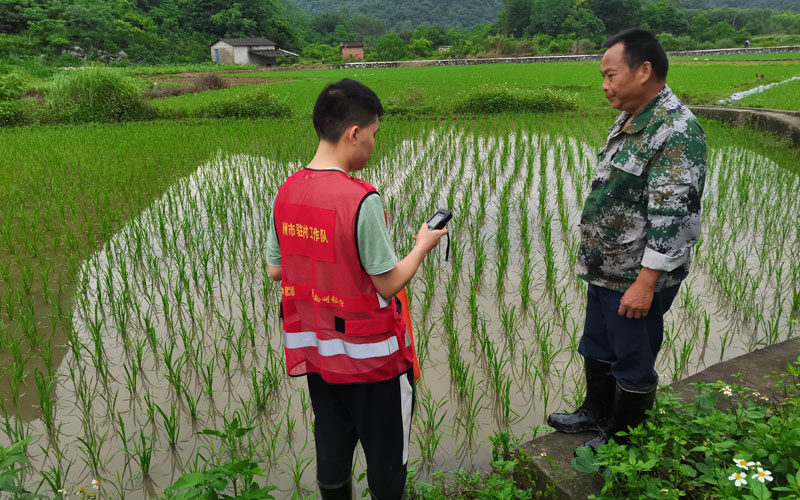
[403,298]
[323,279]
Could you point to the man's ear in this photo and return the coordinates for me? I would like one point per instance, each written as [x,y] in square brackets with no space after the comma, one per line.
[645,72]
[351,134]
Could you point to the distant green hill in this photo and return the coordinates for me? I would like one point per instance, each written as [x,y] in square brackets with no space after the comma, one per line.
[743,4]
[404,14]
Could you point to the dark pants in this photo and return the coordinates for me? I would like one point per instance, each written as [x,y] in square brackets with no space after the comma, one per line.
[630,345]
[379,415]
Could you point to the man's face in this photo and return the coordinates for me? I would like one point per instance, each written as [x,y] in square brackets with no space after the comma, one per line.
[623,86]
[364,144]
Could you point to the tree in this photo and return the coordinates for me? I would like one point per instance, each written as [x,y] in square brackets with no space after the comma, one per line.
[664,17]
[366,27]
[517,16]
[340,34]
[700,28]
[435,33]
[15,16]
[390,47]
[281,32]
[585,25]
[420,47]
[617,15]
[547,16]
[230,23]
[322,53]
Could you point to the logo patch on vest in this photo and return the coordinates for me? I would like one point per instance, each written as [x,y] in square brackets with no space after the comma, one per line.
[307,231]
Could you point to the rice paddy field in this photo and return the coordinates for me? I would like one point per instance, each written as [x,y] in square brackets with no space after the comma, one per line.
[136,310]
[697,82]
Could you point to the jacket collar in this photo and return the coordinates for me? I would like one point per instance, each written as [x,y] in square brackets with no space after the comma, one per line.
[641,120]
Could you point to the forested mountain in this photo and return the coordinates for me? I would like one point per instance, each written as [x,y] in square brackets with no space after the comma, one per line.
[743,4]
[181,30]
[406,14]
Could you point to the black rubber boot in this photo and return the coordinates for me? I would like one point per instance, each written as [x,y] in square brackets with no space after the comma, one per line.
[593,414]
[343,491]
[629,411]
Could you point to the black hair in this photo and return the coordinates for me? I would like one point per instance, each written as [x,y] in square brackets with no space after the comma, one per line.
[641,46]
[343,104]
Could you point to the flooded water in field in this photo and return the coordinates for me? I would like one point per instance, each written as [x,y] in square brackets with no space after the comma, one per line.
[175,326]
[738,96]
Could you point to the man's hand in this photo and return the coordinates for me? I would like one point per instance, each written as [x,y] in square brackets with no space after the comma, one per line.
[636,300]
[427,239]
[390,283]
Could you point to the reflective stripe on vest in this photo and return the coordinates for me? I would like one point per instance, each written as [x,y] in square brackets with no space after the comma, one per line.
[334,347]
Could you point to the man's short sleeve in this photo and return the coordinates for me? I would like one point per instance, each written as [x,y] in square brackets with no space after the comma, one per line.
[375,245]
[273,248]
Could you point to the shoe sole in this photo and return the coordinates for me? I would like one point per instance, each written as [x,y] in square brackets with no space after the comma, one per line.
[573,430]
[576,431]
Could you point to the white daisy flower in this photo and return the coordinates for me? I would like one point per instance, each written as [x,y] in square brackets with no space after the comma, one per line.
[762,475]
[743,464]
[727,390]
[738,478]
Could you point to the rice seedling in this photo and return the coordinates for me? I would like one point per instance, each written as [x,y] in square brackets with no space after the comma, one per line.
[91,443]
[142,453]
[430,434]
[44,388]
[171,425]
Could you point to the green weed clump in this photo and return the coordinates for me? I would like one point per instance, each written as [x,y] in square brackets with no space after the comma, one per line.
[259,102]
[731,442]
[410,102]
[489,99]
[509,464]
[14,84]
[96,95]
[16,112]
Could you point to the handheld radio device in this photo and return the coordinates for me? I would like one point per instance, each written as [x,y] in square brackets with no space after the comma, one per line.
[439,219]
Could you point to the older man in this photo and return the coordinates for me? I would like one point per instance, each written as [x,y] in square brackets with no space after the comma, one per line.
[638,225]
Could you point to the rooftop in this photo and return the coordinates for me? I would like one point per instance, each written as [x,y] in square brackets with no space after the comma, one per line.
[246,42]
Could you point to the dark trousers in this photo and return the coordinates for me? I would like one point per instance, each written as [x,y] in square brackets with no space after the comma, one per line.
[379,415]
[630,345]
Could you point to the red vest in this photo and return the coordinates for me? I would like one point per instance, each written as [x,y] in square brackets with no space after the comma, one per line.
[334,321]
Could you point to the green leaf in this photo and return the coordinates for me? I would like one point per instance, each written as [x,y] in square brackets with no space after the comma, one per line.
[688,470]
[760,491]
[189,480]
[585,461]
[212,432]
[707,400]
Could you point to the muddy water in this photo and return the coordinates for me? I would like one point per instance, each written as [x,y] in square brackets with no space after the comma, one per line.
[181,297]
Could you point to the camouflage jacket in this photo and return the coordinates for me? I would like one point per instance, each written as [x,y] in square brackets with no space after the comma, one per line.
[644,206]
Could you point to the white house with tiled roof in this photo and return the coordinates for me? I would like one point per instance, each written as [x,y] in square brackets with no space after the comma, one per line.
[259,51]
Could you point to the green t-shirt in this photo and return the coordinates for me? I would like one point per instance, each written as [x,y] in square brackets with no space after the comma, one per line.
[374,243]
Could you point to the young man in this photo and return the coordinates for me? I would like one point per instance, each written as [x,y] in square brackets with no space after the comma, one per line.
[342,323]
[638,226]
